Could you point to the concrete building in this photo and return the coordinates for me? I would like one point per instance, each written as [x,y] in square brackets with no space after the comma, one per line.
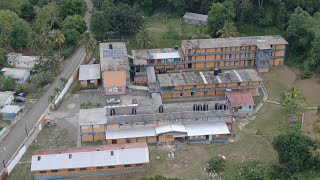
[97,124]
[114,67]
[89,75]
[18,75]
[10,112]
[17,60]
[207,83]
[261,52]
[90,161]
[6,98]
[240,102]
[193,18]
[162,59]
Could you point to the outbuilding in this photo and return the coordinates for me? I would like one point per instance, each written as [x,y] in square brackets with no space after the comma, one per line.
[6,98]
[18,75]
[193,18]
[10,112]
[240,102]
[89,75]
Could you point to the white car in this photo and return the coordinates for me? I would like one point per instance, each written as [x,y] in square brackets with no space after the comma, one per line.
[113,101]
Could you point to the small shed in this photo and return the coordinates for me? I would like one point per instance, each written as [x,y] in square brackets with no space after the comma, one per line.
[10,112]
[89,74]
[193,18]
[6,98]
[240,101]
[18,75]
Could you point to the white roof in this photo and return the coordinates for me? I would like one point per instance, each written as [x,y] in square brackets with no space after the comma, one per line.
[170,128]
[134,153]
[130,133]
[195,16]
[166,55]
[89,72]
[20,58]
[10,109]
[4,96]
[200,129]
[15,73]
[92,116]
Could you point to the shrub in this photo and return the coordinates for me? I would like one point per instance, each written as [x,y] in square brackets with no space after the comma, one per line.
[216,164]
[66,53]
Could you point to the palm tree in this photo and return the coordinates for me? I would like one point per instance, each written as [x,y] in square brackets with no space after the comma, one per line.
[293,101]
[144,39]
[228,30]
[33,43]
[88,42]
[201,33]
[53,63]
[58,38]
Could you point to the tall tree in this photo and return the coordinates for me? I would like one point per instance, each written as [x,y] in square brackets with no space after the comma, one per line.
[3,61]
[72,36]
[47,17]
[201,33]
[144,38]
[34,42]
[293,101]
[20,34]
[73,7]
[7,19]
[228,30]
[294,150]
[58,38]
[281,15]
[88,42]
[99,25]
[219,14]
[74,22]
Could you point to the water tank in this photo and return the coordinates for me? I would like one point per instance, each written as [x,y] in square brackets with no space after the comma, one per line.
[134,111]
[199,107]
[215,72]
[205,107]
[219,70]
[195,107]
[112,112]
[216,106]
[161,109]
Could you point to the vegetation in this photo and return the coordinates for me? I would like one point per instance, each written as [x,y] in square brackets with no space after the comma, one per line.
[158,177]
[89,43]
[216,164]
[293,101]
[90,105]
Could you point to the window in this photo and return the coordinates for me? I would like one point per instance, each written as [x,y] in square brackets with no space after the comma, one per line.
[71,169]
[127,165]
[189,65]
[39,158]
[42,172]
[70,156]
[83,169]
[240,107]
[250,107]
[110,167]
[168,136]
[230,56]
[111,153]
[192,94]
[139,164]
[180,94]
[54,171]
[100,167]
[127,140]
[91,81]
[205,93]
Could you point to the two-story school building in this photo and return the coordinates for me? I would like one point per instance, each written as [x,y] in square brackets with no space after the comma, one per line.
[207,83]
[90,161]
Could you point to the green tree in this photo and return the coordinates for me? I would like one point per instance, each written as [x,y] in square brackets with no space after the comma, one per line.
[144,39]
[58,39]
[216,164]
[73,7]
[124,22]
[293,150]
[74,22]
[219,14]
[47,17]
[72,36]
[6,83]
[281,15]
[3,61]
[178,6]
[53,63]
[228,30]
[293,101]
[243,10]
[19,34]
[88,42]
[7,19]
[99,25]
[34,41]
[201,32]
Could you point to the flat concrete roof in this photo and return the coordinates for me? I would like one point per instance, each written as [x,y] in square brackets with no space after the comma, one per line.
[89,117]
[89,72]
[140,56]
[195,16]
[207,77]
[19,57]
[115,64]
[10,109]
[263,42]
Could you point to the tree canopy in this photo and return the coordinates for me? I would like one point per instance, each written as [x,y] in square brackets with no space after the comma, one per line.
[19,34]
[74,22]
[293,101]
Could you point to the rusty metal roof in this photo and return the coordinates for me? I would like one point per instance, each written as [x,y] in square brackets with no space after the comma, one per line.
[240,99]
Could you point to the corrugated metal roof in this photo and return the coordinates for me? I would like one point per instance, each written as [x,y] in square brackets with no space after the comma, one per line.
[89,72]
[194,16]
[5,96]
[134,153]
[240,98]
[15,73]
[130,133]
[206,128]
[166,55]
[10,109]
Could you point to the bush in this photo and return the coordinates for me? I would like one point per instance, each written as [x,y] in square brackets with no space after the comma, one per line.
[66,53]
[216,164]
[75,86]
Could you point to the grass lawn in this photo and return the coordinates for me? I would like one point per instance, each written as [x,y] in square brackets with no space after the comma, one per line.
[252,30]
